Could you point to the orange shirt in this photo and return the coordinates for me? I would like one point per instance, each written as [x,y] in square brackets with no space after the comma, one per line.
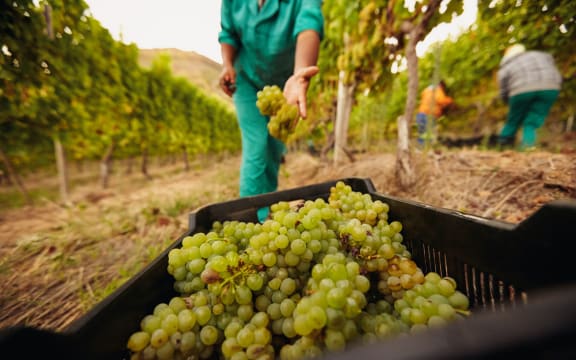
[441,100]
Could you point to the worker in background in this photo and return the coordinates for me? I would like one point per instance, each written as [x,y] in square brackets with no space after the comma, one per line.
[529,83]
[434,100]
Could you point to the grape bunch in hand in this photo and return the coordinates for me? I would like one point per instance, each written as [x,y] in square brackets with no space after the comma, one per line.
[283,116]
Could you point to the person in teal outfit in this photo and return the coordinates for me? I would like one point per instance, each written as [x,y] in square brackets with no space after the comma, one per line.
[529,83]
[266,42]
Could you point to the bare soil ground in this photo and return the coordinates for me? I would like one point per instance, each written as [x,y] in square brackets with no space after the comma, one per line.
[507,186]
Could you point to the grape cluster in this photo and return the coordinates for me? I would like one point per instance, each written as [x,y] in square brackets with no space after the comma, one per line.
[283,116]
[307,281]
[432,303]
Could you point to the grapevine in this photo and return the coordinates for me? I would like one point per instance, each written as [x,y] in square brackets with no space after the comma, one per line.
[308,281]
[283,116]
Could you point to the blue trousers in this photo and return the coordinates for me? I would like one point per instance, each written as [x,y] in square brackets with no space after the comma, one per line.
[528,111]
[422,124]
[261,152]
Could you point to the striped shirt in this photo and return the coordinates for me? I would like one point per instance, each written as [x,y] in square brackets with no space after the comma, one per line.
[527,72]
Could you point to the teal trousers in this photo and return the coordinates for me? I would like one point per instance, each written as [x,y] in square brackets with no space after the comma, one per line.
[261,152]
[528,111]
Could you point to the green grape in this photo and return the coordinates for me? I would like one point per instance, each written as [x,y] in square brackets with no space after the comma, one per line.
[282,241]
[362,283]
[196,266]
[260,319]
[165,352]
[269,259]
[245,337]
[149,353]
[203,314]
[240,355]
[335,318]
[459,301]
[170,324]
[433,277]
[274,311]
[436,321]
[162,310]
[209,335]
[438,299]
[317,317]
[418,316]
[255,351]
[230,346]
[334,340]
[336,298]
[245,312]
[159,337]
[176,340]
[232,329]
[150,323]
[218,263]
[287,307]
[138,341]
[301,325]
[288,328]
[288,286]
[262,336]
[218,309]
[429,308]
[298,246]
[446,311]
[243,295]
[177,304]
[446,287]
[175,258]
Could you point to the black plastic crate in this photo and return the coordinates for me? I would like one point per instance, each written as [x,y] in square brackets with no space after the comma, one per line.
[498,265]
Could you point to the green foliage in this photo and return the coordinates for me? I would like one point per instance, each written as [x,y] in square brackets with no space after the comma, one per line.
[539,24]
[365,38]
[62,75]
[369,122]
[467,64]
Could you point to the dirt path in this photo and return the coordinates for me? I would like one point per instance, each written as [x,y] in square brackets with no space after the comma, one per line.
[507,186]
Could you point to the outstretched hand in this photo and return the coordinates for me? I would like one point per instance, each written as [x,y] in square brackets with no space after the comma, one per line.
[296,88]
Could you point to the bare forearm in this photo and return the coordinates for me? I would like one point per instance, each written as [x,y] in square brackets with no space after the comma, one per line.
[227,79]
[228,53]
[307,48]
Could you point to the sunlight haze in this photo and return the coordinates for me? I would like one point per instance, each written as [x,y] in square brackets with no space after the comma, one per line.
[193,25]
[190,25]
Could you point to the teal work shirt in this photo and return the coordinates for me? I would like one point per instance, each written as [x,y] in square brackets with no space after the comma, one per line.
[265,39]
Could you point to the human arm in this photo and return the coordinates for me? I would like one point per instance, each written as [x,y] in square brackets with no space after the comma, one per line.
[441,98]
[503,85]
[306,57]
[229,43]
[227,78]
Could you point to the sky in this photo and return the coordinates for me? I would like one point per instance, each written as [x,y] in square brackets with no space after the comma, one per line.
[193,25]
[190,25]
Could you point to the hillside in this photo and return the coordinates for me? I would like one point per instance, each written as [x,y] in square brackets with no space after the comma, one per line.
[198,69]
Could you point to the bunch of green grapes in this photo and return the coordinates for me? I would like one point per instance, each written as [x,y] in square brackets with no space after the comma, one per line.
[355,205]
[270,99]
[401,275]
[433,303]
[283,116]
[309,280]
[180,328]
